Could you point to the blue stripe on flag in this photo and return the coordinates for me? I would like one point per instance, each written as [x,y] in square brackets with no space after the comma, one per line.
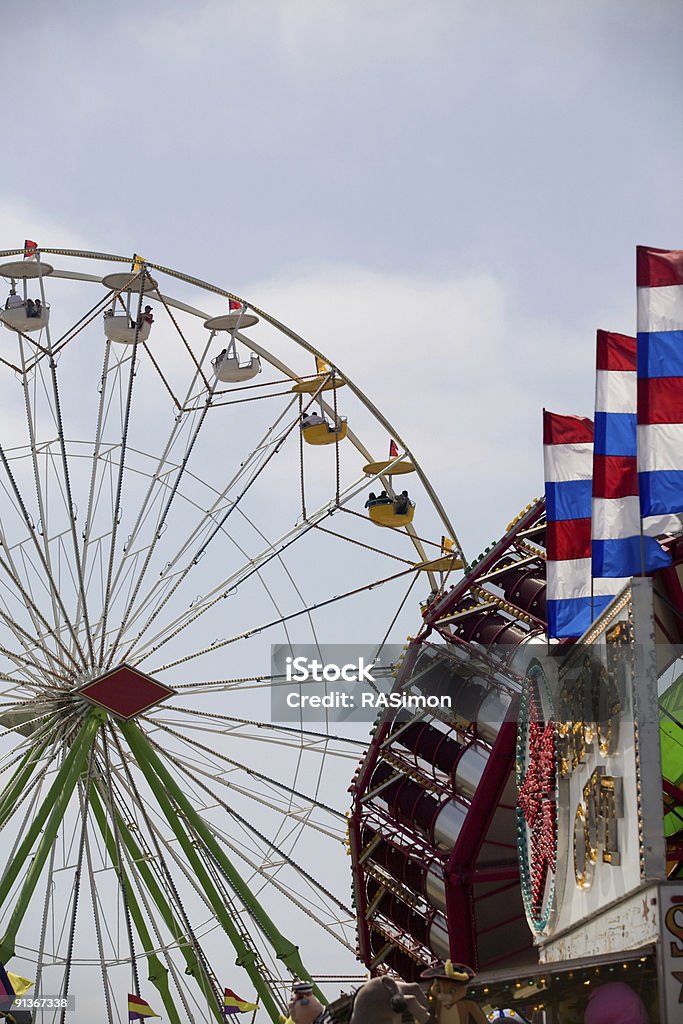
[661,492]
[600,602]
[625,557]
[569,617]
[570,499]
[615,433]
[660,354]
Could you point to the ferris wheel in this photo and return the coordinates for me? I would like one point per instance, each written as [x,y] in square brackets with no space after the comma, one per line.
[183,482]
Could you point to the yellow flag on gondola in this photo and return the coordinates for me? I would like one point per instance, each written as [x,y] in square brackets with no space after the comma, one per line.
[138,263]
[447,545]
[321,366]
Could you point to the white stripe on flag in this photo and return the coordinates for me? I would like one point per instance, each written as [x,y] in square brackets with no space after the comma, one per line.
[660,446]
[615,518]
[569,578]
[565,462]
[615,391]
[655,526]
[608,587]
[660,309]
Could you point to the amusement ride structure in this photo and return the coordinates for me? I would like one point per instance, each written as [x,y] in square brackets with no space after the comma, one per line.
[172,487]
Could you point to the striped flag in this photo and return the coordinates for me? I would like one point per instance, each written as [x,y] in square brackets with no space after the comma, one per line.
[618,551]
[568,461]
[233,1004]
[139,1009]
[659,278]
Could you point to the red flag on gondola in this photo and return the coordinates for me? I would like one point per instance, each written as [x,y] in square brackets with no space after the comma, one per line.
[30,248]
[234,305]
[393,450]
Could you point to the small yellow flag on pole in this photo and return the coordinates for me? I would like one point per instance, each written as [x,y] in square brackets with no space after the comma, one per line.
[19,984]
[321,366]
[447,545]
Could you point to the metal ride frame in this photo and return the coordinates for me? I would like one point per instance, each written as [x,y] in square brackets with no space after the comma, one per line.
[138,794]
[464,902]
[422,892]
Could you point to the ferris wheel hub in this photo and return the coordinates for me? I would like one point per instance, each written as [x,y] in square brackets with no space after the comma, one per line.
[125,692]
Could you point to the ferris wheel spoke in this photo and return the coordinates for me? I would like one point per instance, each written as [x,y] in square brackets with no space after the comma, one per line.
[235,726]
[70,504]
[83,790]
[270,879]
[276,622]
[230,585]
[106,987]
[28,642]
[35,614]
[198,963]
[211,524]
[171,801]
[140,870]
[29,410]
[54,589]
[161,522]
[49,890]
[116,514]
[162,468]
[252,772]
[97,446]
[269,844]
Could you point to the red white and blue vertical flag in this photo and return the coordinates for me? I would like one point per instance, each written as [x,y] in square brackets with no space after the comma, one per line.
[660,388]
[568,462]
[618,551]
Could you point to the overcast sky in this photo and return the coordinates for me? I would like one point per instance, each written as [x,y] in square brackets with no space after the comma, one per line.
[445,194]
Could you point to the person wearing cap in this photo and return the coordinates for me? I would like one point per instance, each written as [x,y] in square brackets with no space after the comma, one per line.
[14,301]
[448,994]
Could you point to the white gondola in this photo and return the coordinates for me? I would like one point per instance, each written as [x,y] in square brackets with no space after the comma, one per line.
[118,328]
[228,368]
[15,319]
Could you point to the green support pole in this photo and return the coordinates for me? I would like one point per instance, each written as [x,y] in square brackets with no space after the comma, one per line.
[161,784]
[285,949]
[157,974]
[19,781]
[55,805]
[194,967]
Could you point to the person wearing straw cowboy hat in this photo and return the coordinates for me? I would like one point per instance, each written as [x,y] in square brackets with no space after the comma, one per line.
[448,994]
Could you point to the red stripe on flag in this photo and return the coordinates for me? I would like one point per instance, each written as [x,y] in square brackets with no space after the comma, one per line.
[657,268]
[614,476]
[660,400]
[568,538]
[558,429]
[615,352]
